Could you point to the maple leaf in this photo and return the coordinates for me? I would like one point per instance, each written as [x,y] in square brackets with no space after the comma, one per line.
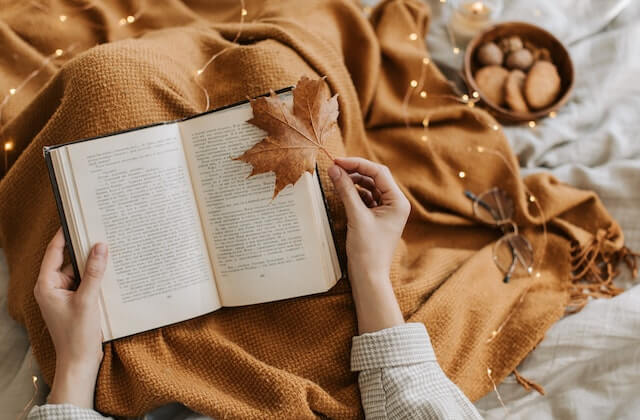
[294,137]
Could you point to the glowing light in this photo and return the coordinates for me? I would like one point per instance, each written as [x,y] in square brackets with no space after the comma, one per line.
[123,22]
[423,94]
[59,52]
[244,12]
[538,274]
[553,114]
[131,19]
[532,198]
[425,122]
[495,127]
[462,174]
[63,18]
[424,138]
[426,60]
[475,94]
[456,50]
[532,124]
[8,146]
[413,36]
[34,379]
[12,91]
[480,149]
[443,1]
[465,97]
[199,72]
[413,83]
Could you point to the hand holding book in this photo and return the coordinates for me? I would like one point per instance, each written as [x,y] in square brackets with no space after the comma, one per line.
[376,214]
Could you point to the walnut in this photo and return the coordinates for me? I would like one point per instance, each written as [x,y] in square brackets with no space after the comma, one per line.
[510,44]
[521,59]
[489,54]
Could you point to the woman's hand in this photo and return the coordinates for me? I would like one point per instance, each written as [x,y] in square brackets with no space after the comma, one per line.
[376,214]
[73,320]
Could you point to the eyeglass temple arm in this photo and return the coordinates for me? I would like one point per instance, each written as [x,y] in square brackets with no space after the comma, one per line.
[471,196]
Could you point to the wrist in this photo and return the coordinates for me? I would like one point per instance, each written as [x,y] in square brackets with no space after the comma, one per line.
[74,383]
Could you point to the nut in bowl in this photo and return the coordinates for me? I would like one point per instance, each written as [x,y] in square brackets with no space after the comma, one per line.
[522,72]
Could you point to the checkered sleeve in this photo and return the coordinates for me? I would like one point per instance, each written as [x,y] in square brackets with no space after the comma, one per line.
[400,377]
[63,412]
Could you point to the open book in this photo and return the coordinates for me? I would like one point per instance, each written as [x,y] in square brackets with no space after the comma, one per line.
[188,232]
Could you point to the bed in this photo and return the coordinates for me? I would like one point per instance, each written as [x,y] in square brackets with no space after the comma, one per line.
[589,363]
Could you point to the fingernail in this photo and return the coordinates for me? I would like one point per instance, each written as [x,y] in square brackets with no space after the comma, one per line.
[334,172]
[100,250]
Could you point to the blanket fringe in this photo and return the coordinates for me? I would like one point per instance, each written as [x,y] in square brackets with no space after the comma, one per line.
[593,270]
[528,384]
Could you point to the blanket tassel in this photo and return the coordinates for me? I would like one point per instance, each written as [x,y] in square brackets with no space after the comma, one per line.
[527,384]
[593,271]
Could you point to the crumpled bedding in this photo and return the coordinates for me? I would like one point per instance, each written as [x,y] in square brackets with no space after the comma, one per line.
[589,363]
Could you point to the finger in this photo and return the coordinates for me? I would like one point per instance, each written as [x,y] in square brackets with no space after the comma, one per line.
[346,191]
[366,196]
[67,270]
[379,173]
[96,264]
[366,182]
[53,256]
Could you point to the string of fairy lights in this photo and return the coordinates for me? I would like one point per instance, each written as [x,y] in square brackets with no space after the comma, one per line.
[416,87]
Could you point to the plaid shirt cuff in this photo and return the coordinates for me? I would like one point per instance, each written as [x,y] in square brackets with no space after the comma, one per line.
[405,344]
[63,412]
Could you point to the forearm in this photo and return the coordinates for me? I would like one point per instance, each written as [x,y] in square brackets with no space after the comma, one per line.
[376,304]
[74,384]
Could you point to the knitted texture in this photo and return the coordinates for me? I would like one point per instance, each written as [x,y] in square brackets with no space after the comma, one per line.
[287,359]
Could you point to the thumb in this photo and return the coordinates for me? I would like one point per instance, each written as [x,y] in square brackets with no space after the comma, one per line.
[93,272]
[346,190]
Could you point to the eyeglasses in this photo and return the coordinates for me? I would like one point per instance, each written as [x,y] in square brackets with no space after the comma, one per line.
[513,253]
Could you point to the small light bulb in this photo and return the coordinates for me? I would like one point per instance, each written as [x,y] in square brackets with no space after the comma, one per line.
[413,36]
[131,19]
[244,12]
[59,52]
[494,333]
[495,127]
[423,94]
[456,50]
[475,94]
[465,97]
[8,146]
[34,379]
[425,122]
[529,270]
[553,114]
[443,1]
[489,371]
[538,274]
[462,174]
[423,138]
[123,22]
[532,124]
[480,149]
[426,60]
[12,91]
[413,83]
[532,198]
[63,18]
[199,72]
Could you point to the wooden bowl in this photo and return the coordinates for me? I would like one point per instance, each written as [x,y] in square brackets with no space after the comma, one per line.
[541,39]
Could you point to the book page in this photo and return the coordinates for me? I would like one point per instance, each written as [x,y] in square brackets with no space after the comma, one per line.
[262,249]
[136,195]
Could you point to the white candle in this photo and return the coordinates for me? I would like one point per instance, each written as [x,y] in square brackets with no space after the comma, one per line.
[468,19]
